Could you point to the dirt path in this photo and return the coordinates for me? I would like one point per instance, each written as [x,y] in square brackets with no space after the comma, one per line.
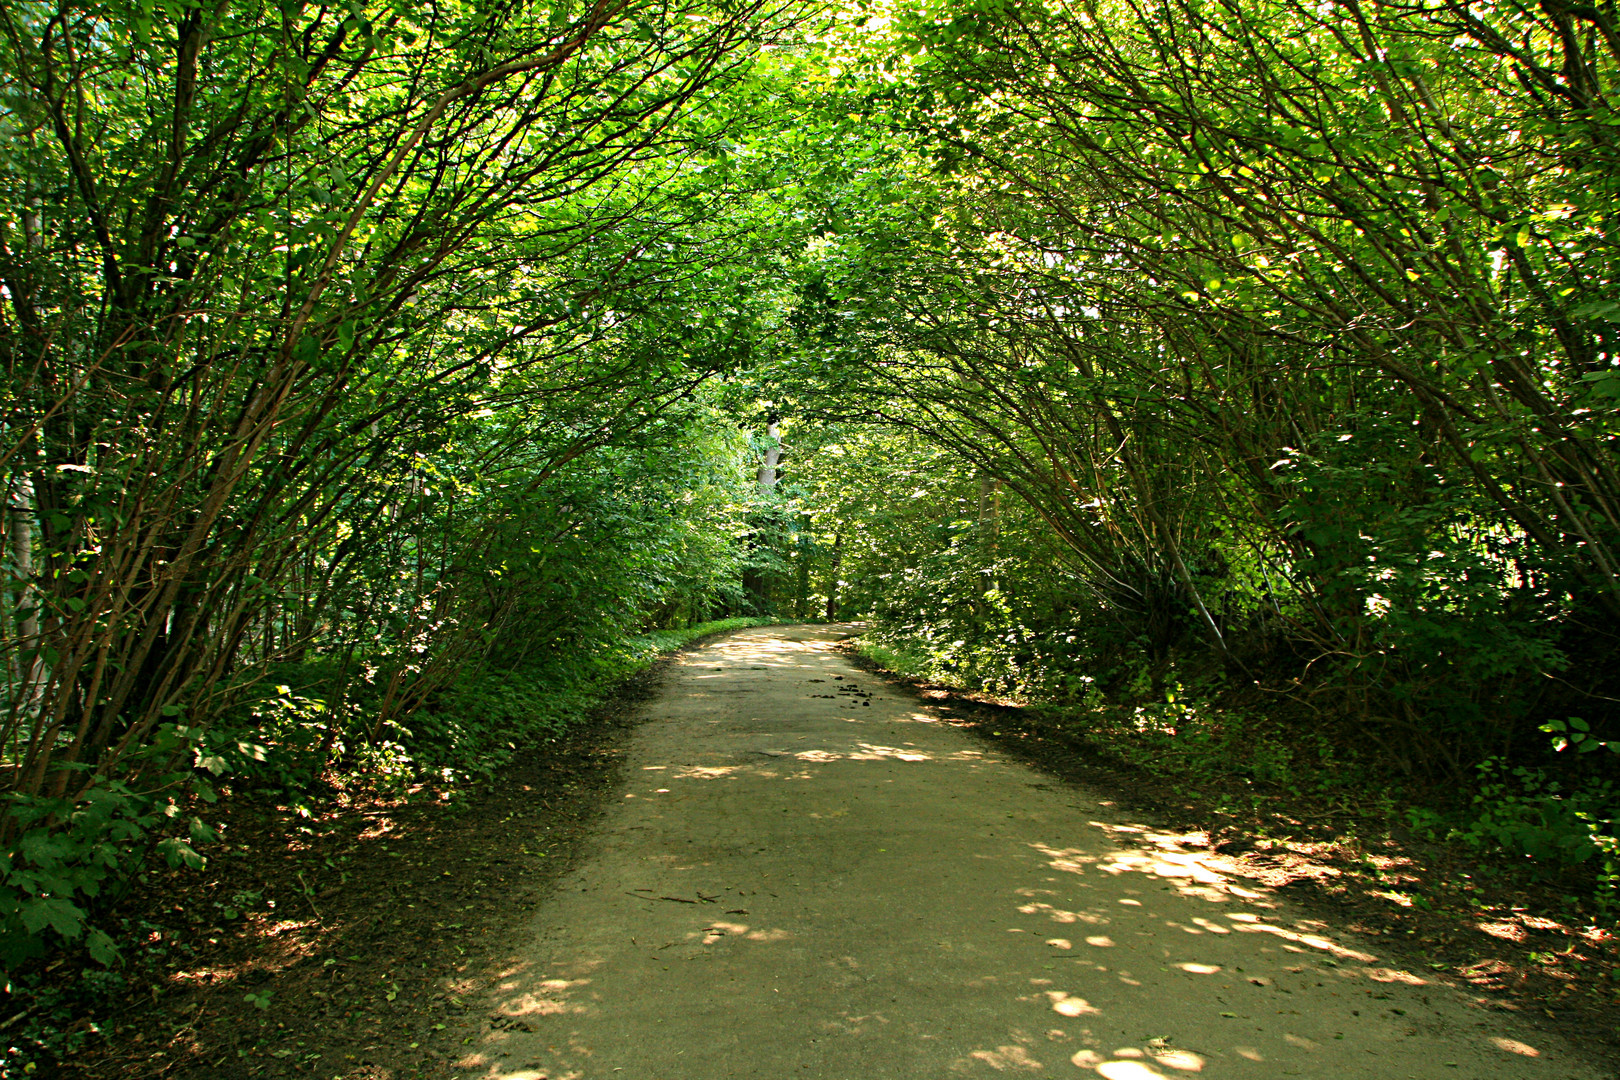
[807,875]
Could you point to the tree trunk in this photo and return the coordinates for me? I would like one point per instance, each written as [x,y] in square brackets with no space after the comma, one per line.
[832,577]
[30,673]
[773,455]
[989,529]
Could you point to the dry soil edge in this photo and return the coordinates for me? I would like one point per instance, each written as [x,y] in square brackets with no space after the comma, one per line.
[807,874]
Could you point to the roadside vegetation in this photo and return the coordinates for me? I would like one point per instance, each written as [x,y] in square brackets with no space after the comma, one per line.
[359,417]
[1235,382]
[330,908]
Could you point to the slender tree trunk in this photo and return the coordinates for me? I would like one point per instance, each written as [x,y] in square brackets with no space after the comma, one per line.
[989,530]
[773,455]
[755,584]
[832,577]
[806,548]
[31,672]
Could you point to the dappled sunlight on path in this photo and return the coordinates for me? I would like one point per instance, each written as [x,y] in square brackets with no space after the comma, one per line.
[807,875]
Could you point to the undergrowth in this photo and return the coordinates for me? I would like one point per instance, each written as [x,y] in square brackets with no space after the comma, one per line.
[74,859]
[1552,820]
[474,727]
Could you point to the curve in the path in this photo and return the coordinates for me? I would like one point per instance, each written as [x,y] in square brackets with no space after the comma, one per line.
[808,875]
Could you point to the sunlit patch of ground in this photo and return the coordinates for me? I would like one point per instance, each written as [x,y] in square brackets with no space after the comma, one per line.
[1518,943]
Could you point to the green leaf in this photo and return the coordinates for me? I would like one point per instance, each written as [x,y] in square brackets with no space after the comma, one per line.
[44,849]
[1598,309]
[176,852]
[103,950]
[59,914]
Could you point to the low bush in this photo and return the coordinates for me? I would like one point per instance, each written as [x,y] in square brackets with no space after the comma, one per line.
[72,855]
[1560,819]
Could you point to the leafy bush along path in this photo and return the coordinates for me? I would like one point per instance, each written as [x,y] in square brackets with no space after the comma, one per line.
[807,873]
[344,940]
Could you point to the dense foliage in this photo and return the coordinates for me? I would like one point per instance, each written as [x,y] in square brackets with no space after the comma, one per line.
[1293,326]
[351,351]
[371,369]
